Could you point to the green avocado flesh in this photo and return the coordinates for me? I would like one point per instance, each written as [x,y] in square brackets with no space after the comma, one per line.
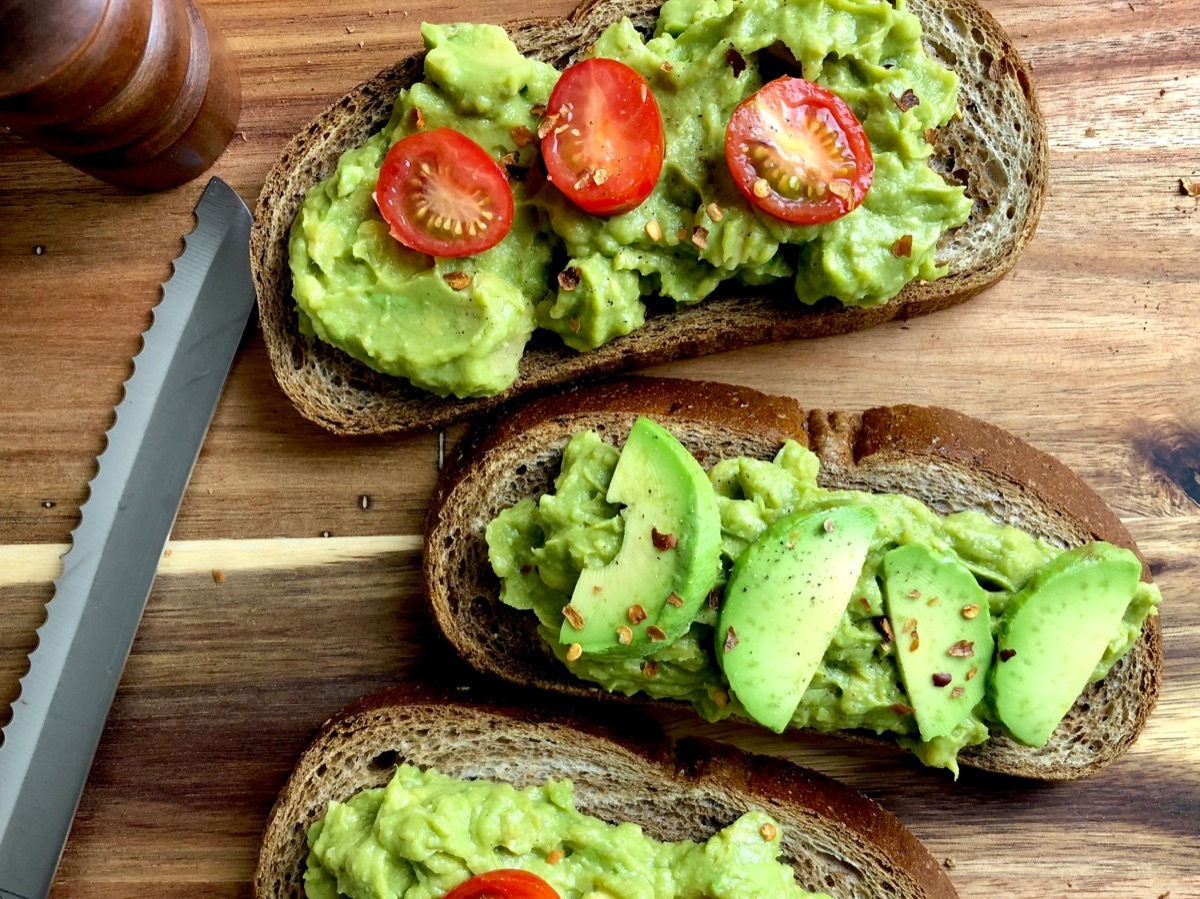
[785,596]
[652,590]
[867,673]
[425,833]
[392,308]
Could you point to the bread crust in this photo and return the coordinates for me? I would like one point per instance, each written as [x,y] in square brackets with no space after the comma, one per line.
[946,459]
[1008,188]
[625,770]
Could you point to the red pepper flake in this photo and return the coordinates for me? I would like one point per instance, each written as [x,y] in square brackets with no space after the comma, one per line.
[931,136]
[457,280]
[885,628]
[624,635]
[731,640]
[736,61]
[902,247]
[974,671]
[1006,654]
[970,611]
[941,679]
[418,119]
[636,614]
[865,603]
[656,633]
[963,649]
[662,541]
[522,136]
[916,642]
[650,668]
[546,126]
[958,692]
[572,615]
[574,651]
[573,324]
[906,100]
[555,857]
[568,279]
[714,598]
[700,237]
[913,594]
[675,600]
[901,709]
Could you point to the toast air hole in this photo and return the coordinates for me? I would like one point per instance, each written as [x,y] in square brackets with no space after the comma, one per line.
[385,761]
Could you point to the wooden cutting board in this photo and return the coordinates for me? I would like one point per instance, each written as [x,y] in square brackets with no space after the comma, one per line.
[291,586]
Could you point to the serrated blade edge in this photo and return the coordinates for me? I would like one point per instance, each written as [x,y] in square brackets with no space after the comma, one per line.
[107,573]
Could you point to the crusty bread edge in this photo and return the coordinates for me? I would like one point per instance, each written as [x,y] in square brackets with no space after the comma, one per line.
[848,445]
[886,859]
[363,401]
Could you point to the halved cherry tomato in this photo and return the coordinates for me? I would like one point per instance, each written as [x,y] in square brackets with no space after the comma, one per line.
[505,883]
[798,152]
[604,149]
[443,194]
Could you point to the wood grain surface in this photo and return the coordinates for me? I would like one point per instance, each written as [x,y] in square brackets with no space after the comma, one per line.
[291,585]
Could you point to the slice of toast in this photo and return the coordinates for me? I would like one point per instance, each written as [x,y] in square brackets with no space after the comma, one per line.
[837,840]
[998,149]
[947,460]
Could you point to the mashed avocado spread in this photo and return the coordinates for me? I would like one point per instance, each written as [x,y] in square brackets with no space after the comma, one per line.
[539,547]
[424,833]
[394,309]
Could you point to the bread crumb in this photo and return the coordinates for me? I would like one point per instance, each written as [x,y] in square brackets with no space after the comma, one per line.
[1189,187]
[1089,132]
[950,863]
[218,576]
[349,29]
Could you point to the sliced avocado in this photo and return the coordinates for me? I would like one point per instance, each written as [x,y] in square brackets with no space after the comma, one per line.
[943,636]
[1053,633]
[785,596]
[648,595]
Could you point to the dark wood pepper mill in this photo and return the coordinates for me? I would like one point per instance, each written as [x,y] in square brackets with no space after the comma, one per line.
[143,94]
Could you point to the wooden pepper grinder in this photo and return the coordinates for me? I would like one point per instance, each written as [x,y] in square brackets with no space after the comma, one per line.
[143,94]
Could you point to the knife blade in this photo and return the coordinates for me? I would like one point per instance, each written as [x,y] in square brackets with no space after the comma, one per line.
[99,598]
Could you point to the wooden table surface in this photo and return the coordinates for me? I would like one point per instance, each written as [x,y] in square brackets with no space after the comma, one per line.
[291,583]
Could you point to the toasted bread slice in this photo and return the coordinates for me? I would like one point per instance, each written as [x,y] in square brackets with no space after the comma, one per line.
[836,839]
[998,150]
[947,460]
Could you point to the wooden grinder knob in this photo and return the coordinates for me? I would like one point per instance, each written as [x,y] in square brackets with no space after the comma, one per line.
[143,94]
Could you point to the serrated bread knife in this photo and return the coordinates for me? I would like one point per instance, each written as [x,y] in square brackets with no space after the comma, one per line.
[107,573]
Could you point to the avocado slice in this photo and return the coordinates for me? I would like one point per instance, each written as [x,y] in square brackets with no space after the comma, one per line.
[942,630]
[785,596]
[1054,632]
[669,559]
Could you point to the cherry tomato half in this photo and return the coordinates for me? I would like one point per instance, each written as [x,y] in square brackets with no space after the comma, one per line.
[506,883]
[604,149]
[443,194]
[798,152]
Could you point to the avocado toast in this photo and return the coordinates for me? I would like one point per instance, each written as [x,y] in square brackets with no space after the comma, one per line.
[997,149]
[949,462]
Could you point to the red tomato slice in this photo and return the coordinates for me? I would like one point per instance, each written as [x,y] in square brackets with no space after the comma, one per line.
[798,152]
[443,194]
[506,883]
[604,149]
